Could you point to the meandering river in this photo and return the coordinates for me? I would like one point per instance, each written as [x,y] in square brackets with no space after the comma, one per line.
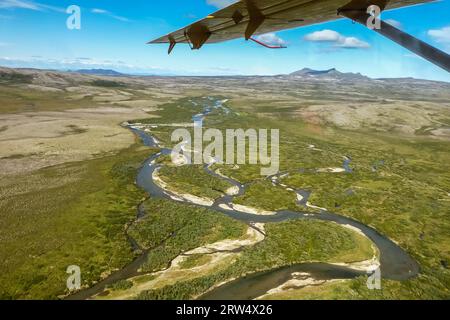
[395,263]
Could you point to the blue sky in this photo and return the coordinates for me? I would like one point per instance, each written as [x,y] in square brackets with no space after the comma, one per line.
[113,35]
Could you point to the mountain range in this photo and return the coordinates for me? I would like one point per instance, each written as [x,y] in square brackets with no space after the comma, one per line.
[330,74]
[100,72]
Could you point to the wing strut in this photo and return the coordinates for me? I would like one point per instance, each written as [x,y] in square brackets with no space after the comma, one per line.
[172,44]
[426,51]
[267,45]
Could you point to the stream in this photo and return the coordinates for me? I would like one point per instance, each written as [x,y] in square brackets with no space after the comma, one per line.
[395,263]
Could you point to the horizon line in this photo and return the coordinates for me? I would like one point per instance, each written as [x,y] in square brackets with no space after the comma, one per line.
[143,74]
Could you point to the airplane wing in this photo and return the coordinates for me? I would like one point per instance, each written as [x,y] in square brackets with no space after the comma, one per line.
[232,22]
[246,18]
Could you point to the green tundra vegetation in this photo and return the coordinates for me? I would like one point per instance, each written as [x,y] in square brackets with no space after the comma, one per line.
[121,285]
[18,93]
[78,214]
[170,229]
[15,99]
[107,84]
[287,243]
[194,180]
[262,194]
[15,78]
[195,260]
[180,111]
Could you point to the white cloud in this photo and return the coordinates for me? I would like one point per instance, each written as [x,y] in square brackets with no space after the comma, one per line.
[101,11]
[440,35]
[12,4]
[65,63]
[92,63]
[352,43]
[323,36]
[220,3]
[271,39]
[338,40]
[109,14]
[394,23]
[28,5]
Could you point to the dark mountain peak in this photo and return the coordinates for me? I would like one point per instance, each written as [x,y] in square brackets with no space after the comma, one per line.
[100,72]
[311,72]
[329,73]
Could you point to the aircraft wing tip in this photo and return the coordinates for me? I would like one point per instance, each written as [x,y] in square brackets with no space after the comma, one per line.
[164,39]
